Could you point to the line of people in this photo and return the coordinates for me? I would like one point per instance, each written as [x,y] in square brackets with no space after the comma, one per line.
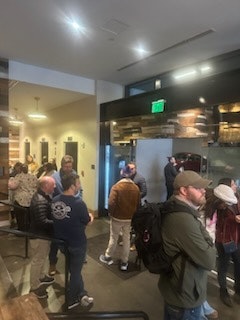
[67,215]
[55,209]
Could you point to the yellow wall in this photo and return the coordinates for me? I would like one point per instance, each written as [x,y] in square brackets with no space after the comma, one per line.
[78,120]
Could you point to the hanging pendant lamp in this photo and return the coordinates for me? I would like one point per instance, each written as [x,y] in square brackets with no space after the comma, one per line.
[37,115]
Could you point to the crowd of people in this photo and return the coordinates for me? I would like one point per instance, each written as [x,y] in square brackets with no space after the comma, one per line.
[209,228]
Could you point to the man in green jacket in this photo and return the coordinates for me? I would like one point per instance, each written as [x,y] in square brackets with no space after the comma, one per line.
[184,290]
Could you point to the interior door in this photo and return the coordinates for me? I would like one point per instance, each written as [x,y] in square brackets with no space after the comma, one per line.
[71,148]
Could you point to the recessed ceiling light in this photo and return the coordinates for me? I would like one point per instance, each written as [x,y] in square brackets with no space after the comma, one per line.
[141,51]
[202,100]
[77,27]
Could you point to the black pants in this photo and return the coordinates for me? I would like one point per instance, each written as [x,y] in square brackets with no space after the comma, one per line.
[22,216]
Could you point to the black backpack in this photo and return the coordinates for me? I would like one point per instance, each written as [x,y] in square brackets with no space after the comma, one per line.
[146,223]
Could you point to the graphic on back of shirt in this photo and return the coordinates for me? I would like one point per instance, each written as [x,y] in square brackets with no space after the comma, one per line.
[60,210]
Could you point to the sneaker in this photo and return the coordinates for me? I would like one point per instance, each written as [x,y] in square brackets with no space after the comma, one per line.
[213,315]
[46,280]
[133,248]
[40,292]
[73,304]
[124,266]
[52,270]
[105,259]
[225,297]
[86,301]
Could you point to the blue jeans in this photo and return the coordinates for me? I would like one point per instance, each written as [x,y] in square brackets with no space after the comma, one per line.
[223,264]
[206,310]
[76,284]
[176,313]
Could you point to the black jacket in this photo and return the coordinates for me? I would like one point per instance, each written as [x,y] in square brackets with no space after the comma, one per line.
[40,214]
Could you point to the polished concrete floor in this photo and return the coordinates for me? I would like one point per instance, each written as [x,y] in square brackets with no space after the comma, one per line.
[110,292]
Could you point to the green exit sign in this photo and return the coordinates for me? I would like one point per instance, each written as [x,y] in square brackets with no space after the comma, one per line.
[158,106]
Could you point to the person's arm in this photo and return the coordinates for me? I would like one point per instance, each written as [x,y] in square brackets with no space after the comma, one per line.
[40,213]
[112,201]
[192,238]
[142,186]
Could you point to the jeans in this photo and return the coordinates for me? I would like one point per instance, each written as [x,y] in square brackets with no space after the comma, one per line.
[76,285]
[176,313]
[206,310]
[223,264]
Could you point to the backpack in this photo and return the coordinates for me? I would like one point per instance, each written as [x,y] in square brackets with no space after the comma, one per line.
[146,223]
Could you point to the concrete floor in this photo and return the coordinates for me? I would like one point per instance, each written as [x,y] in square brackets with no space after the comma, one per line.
[110,292]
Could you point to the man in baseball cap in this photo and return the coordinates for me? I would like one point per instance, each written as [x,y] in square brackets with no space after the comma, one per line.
[184,291]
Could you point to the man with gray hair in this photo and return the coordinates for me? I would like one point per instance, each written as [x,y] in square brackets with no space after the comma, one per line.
[184,291]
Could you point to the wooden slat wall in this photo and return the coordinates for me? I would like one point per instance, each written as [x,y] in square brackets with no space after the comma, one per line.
[4,140]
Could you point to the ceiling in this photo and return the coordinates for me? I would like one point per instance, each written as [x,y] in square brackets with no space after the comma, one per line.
[174,33]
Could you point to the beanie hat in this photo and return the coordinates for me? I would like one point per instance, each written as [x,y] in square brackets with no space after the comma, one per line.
[226,194]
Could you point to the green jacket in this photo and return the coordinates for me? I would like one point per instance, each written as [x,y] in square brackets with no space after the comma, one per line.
[183,232]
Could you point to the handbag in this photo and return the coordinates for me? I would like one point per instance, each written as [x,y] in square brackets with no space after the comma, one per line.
[230,247]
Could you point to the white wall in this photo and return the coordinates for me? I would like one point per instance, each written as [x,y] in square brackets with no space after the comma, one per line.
[151,158]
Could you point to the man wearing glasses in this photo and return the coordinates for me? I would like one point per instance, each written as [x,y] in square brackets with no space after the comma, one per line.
[184,291]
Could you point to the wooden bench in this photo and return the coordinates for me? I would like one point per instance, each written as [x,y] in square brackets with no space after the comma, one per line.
[26,307]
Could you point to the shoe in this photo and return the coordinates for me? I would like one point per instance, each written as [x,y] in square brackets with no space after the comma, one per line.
[120,243]
[41,293]
[46,280]
[225,297]
[213,315]
[133,248]
[124,266]
[105,259]
[73,304]
[86,301]
[52,270]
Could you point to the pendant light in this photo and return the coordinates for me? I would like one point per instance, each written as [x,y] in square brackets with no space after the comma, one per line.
[37,115]
[13,120]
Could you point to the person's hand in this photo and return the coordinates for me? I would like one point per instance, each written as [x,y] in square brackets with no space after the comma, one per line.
[237,218]
[91,218]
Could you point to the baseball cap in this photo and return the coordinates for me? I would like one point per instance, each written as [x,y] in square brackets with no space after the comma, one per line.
[190,178]
[225,193]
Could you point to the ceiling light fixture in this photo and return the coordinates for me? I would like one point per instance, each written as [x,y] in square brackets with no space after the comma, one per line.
[37,115]
[205,69]
[13,120]
[186,74]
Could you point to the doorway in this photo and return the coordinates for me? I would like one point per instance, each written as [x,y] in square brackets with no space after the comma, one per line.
[44,150]
[71,148]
